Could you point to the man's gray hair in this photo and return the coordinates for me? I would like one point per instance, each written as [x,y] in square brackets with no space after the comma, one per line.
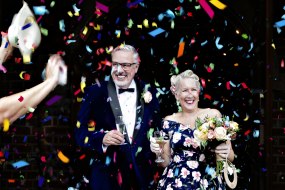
[126,47]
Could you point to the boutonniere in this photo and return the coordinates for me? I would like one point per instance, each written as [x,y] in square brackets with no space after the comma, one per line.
[146,95]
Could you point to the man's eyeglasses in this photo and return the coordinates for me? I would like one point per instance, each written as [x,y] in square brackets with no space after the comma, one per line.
[125,66]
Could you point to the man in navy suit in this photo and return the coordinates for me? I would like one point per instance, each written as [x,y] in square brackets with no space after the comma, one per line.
[120,161]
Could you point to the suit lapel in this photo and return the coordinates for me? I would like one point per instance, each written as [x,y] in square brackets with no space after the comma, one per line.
[139,110]
[114,103]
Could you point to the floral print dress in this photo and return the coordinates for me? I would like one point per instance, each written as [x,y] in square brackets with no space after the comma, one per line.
[187,168]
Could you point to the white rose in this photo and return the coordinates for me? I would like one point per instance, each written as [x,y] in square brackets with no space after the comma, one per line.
[221,133]
[147,97]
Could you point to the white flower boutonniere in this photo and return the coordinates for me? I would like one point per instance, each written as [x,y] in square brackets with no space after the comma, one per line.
[147,96]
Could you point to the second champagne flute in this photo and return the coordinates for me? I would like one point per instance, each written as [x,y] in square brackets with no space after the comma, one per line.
[121,126]
[159,137]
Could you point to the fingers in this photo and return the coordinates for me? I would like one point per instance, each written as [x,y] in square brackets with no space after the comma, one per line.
[5,49]
[154,147]
[56,70]
[113,137]
[223,150]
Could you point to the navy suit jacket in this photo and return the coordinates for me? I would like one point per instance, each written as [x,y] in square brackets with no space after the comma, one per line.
[129,166]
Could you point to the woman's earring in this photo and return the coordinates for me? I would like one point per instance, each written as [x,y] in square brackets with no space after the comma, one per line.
[178,106]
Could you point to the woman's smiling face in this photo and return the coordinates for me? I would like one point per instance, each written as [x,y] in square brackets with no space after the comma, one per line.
[188,94]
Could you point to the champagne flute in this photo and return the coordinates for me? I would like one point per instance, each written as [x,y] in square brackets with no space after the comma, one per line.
[122,127]
[159,137]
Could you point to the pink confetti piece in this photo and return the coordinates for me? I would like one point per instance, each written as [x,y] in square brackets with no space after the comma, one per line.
[207,8]
[2,68]
[228,86]
[21,98]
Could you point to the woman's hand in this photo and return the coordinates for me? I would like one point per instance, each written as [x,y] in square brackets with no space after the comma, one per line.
[224,149]
[154,146]
[56,70]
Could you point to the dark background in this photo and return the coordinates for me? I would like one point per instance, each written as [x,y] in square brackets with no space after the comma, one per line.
[235,86]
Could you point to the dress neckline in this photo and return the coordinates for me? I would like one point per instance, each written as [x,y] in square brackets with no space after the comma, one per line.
[188,126]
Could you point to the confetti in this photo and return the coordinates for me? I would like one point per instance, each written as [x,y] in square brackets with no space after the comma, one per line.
[62,157]
[20,164]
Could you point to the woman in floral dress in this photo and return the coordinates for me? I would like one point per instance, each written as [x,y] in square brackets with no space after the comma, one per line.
[186,164]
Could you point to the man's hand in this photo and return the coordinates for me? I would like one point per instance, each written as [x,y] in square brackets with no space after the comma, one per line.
[113,137]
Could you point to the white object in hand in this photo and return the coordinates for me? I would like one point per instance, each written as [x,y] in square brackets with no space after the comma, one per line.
[24,32]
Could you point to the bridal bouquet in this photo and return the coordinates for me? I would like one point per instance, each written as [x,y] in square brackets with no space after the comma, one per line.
[212,131]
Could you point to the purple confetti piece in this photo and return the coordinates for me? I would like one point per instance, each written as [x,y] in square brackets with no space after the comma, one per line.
[102,7]
[53,100]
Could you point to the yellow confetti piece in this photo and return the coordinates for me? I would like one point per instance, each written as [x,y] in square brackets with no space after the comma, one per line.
[172,24]
[76,14]
[218,4]
[86,140]
[70,13]
[79,99]
[78,124]
[91,129]
[153,24]
[83,83]
[21,74]
[85,30]
[246,118]
[52,3]
[30,109]
[6,125]
[139,26]
[145,23]
[26,58]
[62,157]
[273,45]
[97,27]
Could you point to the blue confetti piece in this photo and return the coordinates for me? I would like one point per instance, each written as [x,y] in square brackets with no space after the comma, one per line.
[219,46]
[88,49]
[41,181]
[20,164]
[204,43]
[6,45]
[156,32]
[40,10]
[256,133]
[108,160]
[48,118]
[134,3]
[62,25]
[176,172]
[279,24]
[256,121]
[25,139]
[26,26]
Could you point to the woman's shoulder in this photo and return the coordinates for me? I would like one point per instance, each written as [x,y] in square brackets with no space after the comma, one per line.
[210,112]
[171,117]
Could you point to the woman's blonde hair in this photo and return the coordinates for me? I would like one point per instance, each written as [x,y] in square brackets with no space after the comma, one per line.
[175,79]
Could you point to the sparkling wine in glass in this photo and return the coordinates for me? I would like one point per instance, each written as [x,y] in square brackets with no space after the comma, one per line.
[159,137]
[121,126]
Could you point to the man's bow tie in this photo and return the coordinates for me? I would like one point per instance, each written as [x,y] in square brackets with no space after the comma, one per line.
[121,90]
